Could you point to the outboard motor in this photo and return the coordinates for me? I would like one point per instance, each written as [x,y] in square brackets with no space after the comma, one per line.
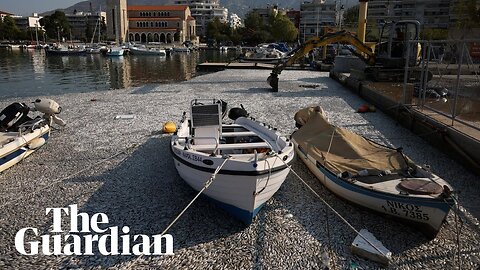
[13,116]
[50,108]
[235,113]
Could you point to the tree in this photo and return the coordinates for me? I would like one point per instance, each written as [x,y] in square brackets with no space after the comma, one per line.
[2,35]
[56,25]
[9,29]
[253,22]
[218,30]
[467,13]
[351,16]
[434,34]
[283,29]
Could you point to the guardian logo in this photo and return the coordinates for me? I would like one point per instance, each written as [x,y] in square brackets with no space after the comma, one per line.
[89,238]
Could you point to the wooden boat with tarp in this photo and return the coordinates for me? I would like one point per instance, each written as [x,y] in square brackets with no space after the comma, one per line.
[371,175]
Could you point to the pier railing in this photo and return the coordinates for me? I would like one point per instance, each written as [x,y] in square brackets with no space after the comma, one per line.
[447,81]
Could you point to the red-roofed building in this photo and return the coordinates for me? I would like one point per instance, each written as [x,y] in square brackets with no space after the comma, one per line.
[164,24]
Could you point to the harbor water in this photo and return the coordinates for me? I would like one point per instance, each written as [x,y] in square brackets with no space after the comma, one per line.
[30,73]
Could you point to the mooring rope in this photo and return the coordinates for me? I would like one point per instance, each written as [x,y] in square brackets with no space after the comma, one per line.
[458,231]
[333,210]
[205,186]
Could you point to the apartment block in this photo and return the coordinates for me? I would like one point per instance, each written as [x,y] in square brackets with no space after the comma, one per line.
[316,18]
[205,11]
[430,13]
[80,21]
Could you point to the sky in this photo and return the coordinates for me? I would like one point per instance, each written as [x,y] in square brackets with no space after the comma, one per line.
[27,7]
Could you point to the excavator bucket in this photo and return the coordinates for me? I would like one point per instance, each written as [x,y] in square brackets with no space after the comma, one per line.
[273,81]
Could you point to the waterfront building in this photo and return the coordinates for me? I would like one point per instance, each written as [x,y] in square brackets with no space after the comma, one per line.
[430,13]
[4,14]
[265,13]
[235,21]
[205,11]
[294,16]
[164,24]
[80,21]
[27,22]
[316,18]
[117,20]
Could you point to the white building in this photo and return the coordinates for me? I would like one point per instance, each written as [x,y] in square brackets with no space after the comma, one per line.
[81,20]
[205,11]
[27,22]
[4,14]
[316,17]
[430,13]
[235,21]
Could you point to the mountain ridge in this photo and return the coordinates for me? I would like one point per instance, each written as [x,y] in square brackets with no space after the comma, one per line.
[239,7]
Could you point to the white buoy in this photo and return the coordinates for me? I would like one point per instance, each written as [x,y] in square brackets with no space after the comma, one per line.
[36,143]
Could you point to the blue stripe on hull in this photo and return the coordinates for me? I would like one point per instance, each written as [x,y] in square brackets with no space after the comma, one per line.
[18,153]
[241,214]
[12,155]
[444,206]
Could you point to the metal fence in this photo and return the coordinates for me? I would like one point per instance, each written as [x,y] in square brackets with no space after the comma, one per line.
[446,81]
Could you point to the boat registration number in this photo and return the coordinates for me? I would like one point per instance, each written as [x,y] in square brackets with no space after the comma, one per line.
[405,210]
[192,157]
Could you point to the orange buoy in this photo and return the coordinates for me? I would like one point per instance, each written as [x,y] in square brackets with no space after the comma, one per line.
[363,109]
[169,127]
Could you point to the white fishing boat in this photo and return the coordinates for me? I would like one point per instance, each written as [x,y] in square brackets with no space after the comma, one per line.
[137,50]
[62,50]
[251,157]
[271,53]
[182,49]
[371,175]
[115,51]
[21,135]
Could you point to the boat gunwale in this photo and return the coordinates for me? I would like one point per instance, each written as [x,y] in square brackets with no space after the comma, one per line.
[405,198]
[231,172]
[25,143]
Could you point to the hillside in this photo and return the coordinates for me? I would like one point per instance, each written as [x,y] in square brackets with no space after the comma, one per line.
[240,7]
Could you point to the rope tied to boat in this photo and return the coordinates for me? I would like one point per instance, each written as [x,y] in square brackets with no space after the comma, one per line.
[205,187]
[333,210]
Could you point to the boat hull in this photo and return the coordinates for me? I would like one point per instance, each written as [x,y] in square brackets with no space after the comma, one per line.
[427,214]
[136,51]
[66,52]
[18,149]
[240,195]
[262,60]
[248,177]
[115,53]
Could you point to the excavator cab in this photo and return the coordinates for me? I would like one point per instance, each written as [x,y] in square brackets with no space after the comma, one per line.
[395,37]
[385,64]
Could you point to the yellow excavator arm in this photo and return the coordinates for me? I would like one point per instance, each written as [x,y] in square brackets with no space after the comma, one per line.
[363,51]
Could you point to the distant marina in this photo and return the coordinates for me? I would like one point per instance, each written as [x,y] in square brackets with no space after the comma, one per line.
[31,73]
[324,137]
